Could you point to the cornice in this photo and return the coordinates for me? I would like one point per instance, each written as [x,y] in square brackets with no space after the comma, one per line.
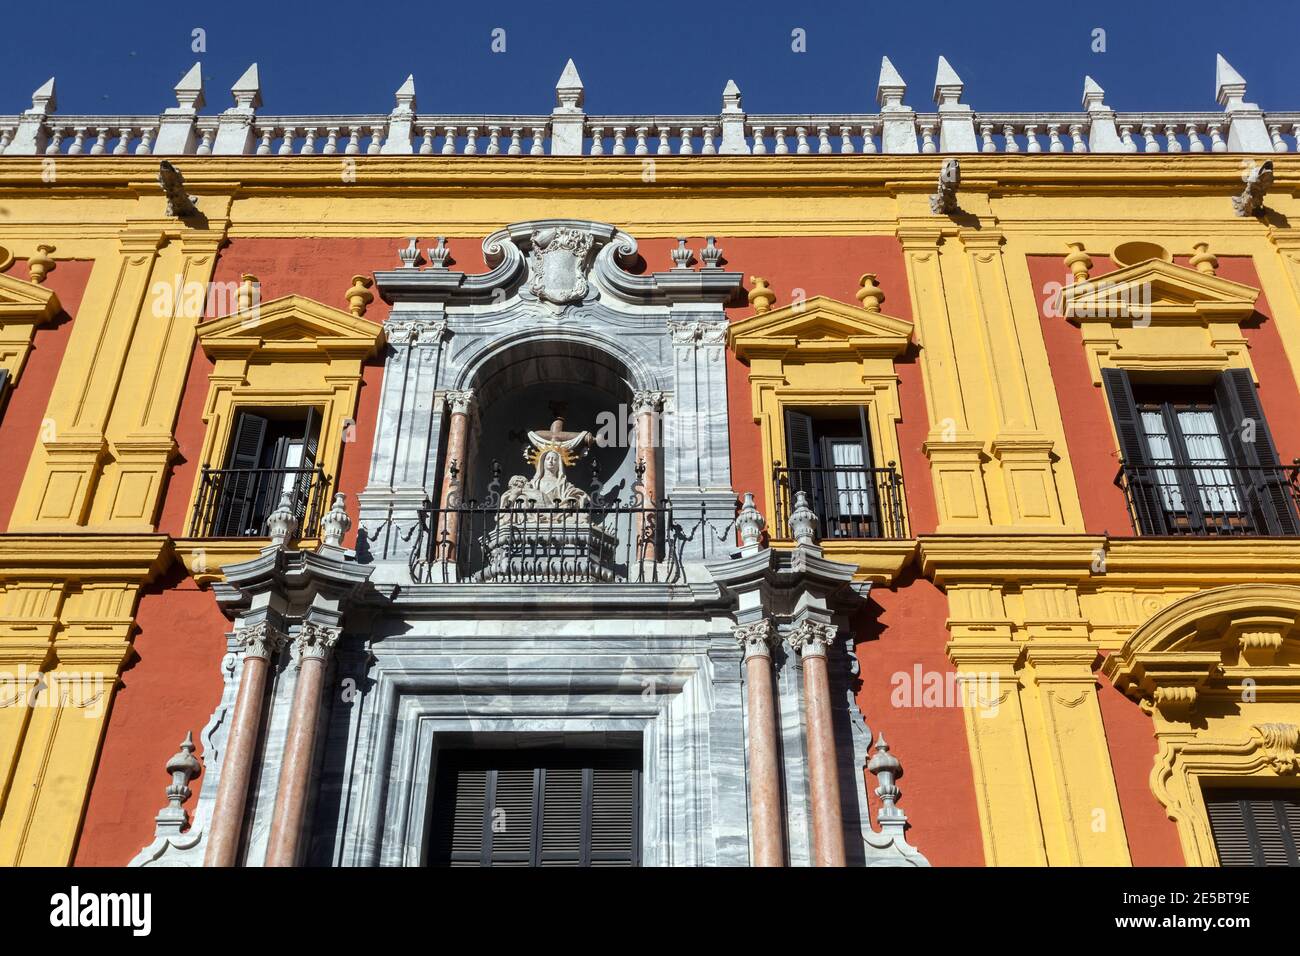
[84,556]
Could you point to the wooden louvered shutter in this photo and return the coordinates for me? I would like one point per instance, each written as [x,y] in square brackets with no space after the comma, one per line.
[1254,827]
[537,808]
[1143,490]
[1268,493]
[798,439]
[236,497]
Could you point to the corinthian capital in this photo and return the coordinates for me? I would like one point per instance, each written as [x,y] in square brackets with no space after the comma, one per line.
[460,400]
[316,641]
[644,400]
[757,638]
[260,640]
[811,638]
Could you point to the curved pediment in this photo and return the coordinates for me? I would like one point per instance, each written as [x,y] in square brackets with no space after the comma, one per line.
[1162,290]
[821,324]
[290,324]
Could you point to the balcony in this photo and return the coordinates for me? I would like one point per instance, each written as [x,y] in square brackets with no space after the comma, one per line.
[1211,500]
[603,543]
[850,502]
[235,502]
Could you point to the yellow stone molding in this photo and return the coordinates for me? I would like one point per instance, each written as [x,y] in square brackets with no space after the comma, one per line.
[1155,316]
[290,352]
[23,307]
[67,613]
[1219,673]
[820,353]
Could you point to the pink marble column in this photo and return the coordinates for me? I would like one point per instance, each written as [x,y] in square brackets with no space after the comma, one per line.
[646,406]
[453,489]
[315,642]
[262,643]
[810,640]
[757,640]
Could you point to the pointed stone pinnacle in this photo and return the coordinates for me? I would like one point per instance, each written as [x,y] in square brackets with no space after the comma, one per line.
[731,96]
[406,95]
[947,84]
[247,90]
[890,88]
[1229,86]
[189,91]
[1093,95]
[43,98]
[569,93]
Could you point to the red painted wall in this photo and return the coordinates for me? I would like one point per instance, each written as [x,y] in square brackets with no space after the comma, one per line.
[1152,836]
[174,683]
[1085,413]
[904,627]
[170,688]
[20,421]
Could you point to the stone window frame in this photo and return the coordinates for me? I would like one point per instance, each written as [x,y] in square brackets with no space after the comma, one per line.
[1218,672]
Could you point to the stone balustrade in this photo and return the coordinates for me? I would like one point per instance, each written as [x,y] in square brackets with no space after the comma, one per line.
[1240,127]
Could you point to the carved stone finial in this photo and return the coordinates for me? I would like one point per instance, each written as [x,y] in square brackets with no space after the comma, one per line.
[890,87]
[761,297]
[281,525]
[870,294]
[1093,96]
[944,201]
[183,767]
[681,255]
[887,768]
[409,254]
[1229,86]
[711,254]
[803,521]
[336,522]
[40,264]
[731,97]
[947,86]
[1077,261]
[247,295]
[438,254]
[1258,180]
[44,99]
[1203,260]
[750,522]
[360,296]
[405,96]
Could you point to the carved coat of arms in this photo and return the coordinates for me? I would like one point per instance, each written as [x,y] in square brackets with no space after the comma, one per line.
[558,262]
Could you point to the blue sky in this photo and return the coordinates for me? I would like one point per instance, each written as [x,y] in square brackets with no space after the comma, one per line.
[666,56]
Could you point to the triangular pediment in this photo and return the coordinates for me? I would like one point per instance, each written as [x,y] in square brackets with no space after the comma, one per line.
[290,323]
[821,324]
[22,301]
[1161,289]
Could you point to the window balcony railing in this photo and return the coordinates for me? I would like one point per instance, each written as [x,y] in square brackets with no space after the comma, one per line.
[1211,500]
[849,501]
[235,502]
[603,543]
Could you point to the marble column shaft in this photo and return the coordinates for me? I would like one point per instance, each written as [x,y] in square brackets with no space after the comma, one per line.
[765,804]
[811,640]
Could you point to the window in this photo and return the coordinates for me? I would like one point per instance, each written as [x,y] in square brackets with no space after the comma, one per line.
[830,461]
[537,808]
[1199,459]
[1255,827]
[272,453]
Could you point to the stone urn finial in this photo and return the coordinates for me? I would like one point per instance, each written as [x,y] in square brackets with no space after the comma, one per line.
[750,522]
[869,292]
[803,522]
[336,522]
[183,767]
[761,297]
[280,523]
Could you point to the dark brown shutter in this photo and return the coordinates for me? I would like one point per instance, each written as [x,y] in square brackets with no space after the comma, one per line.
[537,808]
[1255,827]
[1267,492]
[237,494]
[1144,495]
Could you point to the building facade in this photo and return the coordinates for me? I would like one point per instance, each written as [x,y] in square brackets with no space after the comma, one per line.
[894,489]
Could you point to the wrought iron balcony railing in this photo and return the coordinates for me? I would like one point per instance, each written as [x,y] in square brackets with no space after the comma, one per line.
[235,502]
[1210,500]
[604,543]
[849,501]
